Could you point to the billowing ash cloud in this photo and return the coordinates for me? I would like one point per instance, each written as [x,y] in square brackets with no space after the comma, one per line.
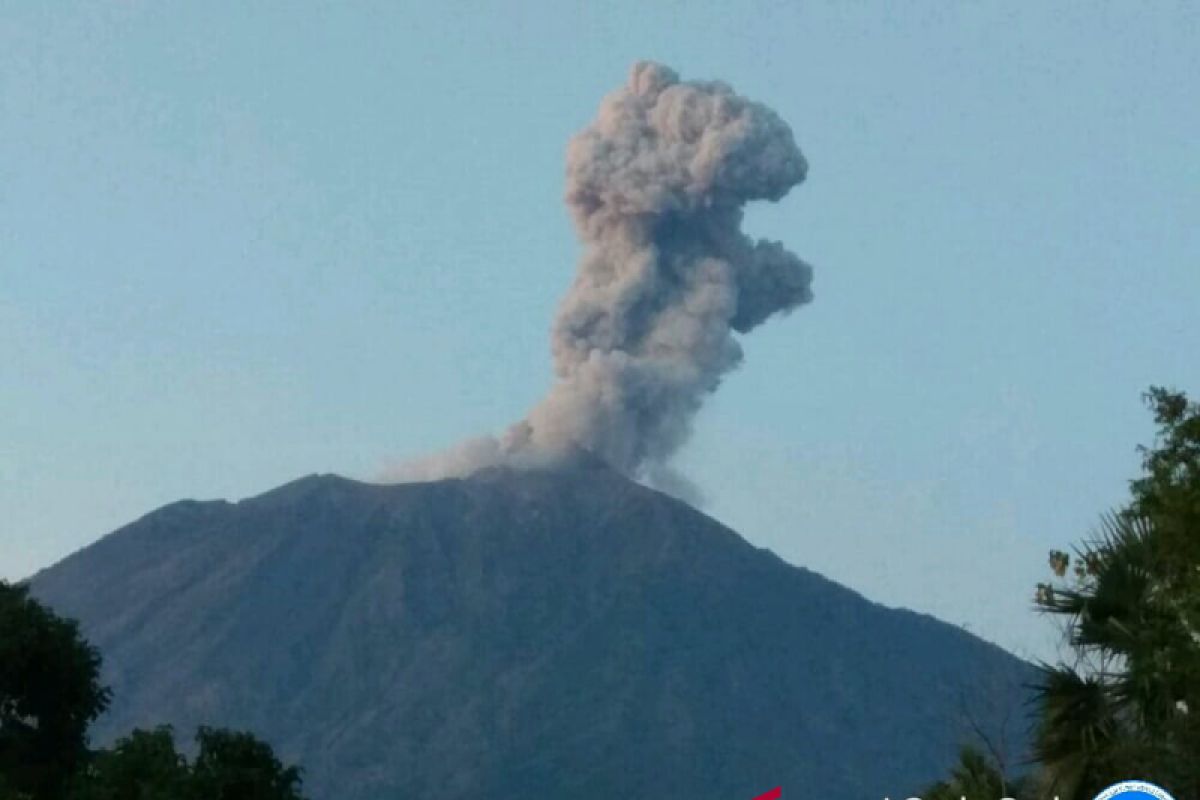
[656,186]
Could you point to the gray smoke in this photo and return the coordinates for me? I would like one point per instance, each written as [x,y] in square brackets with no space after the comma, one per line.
[656,186]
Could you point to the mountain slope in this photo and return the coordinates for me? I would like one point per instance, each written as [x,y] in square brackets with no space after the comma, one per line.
[515,634]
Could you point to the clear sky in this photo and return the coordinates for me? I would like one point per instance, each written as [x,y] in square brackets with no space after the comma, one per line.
[240,243]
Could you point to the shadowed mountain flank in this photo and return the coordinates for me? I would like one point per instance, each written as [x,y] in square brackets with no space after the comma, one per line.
[558,632]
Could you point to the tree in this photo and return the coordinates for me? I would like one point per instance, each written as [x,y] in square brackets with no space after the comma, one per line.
[49,694]
[146,766]
[236,766]
[1129,703]
[975,777]
[141,766]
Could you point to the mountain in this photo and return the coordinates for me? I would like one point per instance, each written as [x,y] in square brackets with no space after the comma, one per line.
[520,634]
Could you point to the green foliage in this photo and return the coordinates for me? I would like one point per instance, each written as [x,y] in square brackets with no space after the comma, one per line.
[49,694]
[146,766]
[236,766]
[141,766]
[1170,488]
[976,777]
[1129,703]
[1169,496]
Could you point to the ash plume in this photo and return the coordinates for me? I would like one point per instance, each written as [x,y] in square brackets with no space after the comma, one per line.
[655,186]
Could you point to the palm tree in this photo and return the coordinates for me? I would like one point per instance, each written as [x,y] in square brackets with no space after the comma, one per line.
[1124,705]
[974,777]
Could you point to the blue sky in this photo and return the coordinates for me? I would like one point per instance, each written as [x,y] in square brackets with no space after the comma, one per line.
[240,243]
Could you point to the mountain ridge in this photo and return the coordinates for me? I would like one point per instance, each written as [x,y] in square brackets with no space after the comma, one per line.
[562,631]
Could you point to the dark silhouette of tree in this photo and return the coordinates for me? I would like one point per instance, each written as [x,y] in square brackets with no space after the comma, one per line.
[236,766]
[141,766]
[976,776]
[146,766]
[1128,703]
[49,694]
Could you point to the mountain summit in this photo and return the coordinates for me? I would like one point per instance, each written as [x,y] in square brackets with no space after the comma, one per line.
[520,634]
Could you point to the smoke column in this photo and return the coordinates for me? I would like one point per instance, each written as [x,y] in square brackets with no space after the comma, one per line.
[656,186]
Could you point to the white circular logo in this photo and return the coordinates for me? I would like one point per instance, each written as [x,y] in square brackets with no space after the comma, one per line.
[1134,790]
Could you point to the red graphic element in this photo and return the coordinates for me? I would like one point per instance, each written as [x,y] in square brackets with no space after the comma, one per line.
[774,794]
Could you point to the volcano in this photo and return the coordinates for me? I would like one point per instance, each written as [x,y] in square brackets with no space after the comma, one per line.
[558,632]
